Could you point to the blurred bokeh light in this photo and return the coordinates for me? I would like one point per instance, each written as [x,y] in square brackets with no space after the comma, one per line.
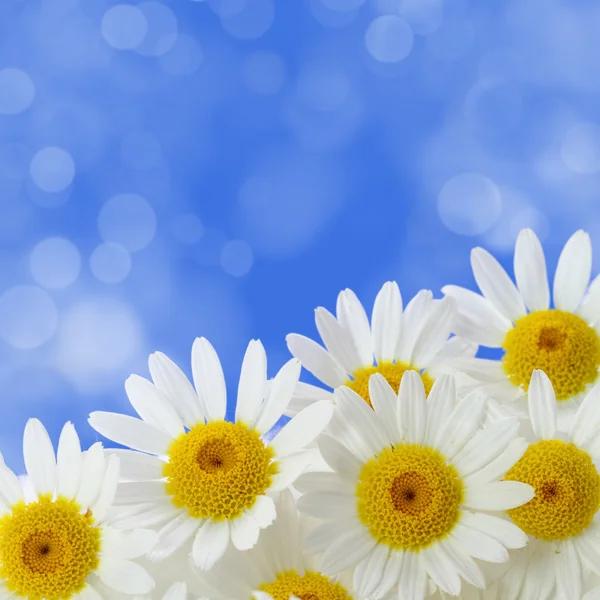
[222,167]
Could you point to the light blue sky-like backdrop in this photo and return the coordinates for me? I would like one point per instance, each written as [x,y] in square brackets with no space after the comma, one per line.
[222,167]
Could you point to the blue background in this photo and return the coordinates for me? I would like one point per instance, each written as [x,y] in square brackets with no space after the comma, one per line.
[222,167]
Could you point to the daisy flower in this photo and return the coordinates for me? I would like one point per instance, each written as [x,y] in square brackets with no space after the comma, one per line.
[396,340]
[196,474]
[562,341]
[276,568]
[54,542]
[404,500]
[562,521]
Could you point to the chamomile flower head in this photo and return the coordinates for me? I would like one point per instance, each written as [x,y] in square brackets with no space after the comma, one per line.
[563,341]
[395,341]
[54,542]
[562,520]
[197,475]
[277,568]
[403,503]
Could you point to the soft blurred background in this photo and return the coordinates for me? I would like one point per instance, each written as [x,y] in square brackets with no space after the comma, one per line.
[222,167]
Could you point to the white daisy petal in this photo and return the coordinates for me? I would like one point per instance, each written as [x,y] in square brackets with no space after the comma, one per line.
[152,405]
[125,576]
[530,271]
[280,392]
[413,319]
[479,545]
[263,511]
[506,532]
[540,579]
[385,404]
[337,340]
[573,272]
[210,543]
[369,572]
[441,569]
[347,551]
[499,467]
[440,403]
[10,486]
[316,360]
[173,535]
[303,429]
[152,515]
[462,423]
[482,369]
[319,537]
[412,413]
[464,565]
[436,329]
[92,475]
[68,462]
[106,494]
[391,574]
[253,383]
[352,317]
[304,395]
[244,532]
[178,591]
[481,322]
[486,445]
[589,310]
[498,495]
[131,432]
[496,285]
[586,423]
[127,544]
[87,593]
[386,321]
[289,469]
[209,380]
[357,414]
[171,380]
[413,578]
[512,582]
[137,492]
[592,594]
[327,505]
[137,466]
[542,406]
[588,546]
[38,454]
[338,457]
[568,570]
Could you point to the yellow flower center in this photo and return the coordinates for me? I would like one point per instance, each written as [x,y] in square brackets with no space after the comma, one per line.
[408,496]
[392,371]
[217,470]
[559,343]
[567,490]
[310,586]
[47,548]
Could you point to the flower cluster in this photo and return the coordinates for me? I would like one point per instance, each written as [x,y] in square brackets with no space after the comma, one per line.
[412,469]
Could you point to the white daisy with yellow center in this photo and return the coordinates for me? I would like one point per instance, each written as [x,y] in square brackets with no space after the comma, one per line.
[276,568]
[562,341]
[198,475]
[404,500]
[54,542]
[397,340]
[562,520]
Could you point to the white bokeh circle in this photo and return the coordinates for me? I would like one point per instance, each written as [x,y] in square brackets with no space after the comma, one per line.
[17,91]
[237,258]
[28,317]
[389,39]
[52,169]
[110,263]
[124,26]
[580,148]
[469,204]
[55,263]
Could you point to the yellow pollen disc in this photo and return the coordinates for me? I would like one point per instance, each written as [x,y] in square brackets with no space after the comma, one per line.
[559,343]
[47,548]
[408,496]
[567,490]
[217,470]
[310,586]
[391,371]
